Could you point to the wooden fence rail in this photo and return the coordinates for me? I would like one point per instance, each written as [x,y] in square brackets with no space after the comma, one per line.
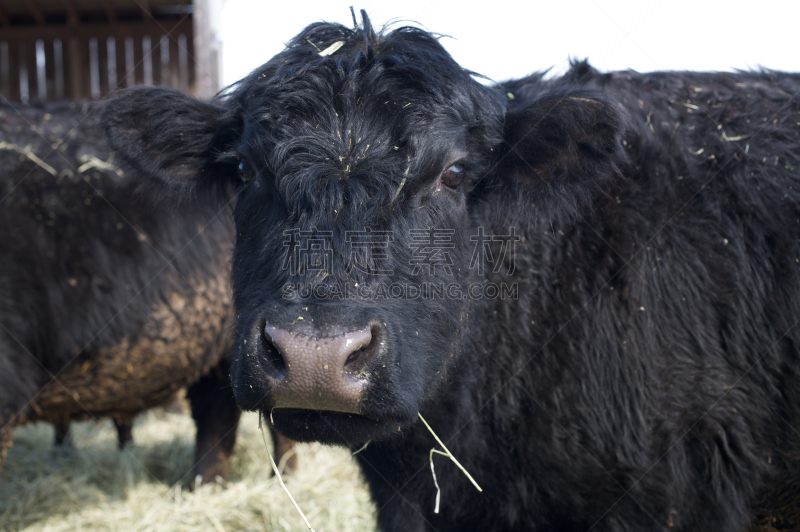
[52,63]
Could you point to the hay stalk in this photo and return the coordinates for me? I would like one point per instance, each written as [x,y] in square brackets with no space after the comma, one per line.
[27,152]
[278,474]
[448,454]
[362,448]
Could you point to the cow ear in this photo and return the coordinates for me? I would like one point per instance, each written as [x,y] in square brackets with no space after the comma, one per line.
[558,152]
[170,137]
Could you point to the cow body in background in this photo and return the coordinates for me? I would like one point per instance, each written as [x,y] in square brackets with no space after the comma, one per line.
[110,302]
[644,374]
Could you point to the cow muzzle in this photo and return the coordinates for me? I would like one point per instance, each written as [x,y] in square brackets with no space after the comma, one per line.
[323,373]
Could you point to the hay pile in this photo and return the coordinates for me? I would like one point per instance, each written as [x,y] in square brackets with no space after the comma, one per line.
[94,486]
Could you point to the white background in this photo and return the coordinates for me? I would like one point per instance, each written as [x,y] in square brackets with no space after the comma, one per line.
[504,39]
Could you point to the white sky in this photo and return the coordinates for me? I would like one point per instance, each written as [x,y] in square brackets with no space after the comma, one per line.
[506,39]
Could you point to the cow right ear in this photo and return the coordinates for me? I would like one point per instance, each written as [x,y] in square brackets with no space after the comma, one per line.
[557,152]
[170,137]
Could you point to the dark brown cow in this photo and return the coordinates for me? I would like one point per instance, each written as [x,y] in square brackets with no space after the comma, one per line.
[111,301]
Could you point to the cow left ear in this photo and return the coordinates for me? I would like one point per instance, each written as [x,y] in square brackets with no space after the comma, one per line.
[558,152]
[171,138]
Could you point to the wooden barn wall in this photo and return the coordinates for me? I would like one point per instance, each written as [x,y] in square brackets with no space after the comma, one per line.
[51,64]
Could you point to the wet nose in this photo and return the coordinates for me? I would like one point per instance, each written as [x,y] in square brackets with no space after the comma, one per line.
[327,373]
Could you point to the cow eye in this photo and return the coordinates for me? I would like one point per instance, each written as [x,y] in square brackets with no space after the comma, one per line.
[454,175]
[246,170]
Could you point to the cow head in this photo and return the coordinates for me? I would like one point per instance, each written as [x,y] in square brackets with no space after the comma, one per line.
[363,166]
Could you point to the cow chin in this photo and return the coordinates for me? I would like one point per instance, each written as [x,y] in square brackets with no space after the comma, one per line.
[331,428]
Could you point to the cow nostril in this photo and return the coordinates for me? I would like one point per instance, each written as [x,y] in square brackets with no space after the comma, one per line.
[356,354]
[273,361]
[361,356]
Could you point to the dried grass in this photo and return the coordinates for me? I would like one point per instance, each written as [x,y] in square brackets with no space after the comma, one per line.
[452,458]
[278,473]
[95,487]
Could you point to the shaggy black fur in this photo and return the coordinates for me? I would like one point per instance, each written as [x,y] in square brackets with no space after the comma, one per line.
[646,376]
[101,290]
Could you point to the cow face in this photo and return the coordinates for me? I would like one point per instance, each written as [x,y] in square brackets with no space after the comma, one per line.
[364,168]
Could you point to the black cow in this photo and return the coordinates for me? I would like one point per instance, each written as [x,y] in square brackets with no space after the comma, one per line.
[639,368]
[111,301]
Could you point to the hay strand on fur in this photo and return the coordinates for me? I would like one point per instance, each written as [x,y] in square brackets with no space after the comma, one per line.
[330,50]
[448,454]
[402,183]
[27,152]
[94,162]
[362,447]
[278,474]
[435,482]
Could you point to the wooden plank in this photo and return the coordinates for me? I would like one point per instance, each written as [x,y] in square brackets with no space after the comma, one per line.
[164,77]
[109,10]
[71,53]
[74,69]
[25,74]
[85,69]
[121,72]
[4,17]
[112,64]
[73,19]
[13,66]
[129,58]
[202,52]
[147,9]
[147,59]
[49,71]
[58,69]
[183,63]
[5,70]
[94,64]
[35,11]
[206,52]
[105,66]
[41,62]
[98,30]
